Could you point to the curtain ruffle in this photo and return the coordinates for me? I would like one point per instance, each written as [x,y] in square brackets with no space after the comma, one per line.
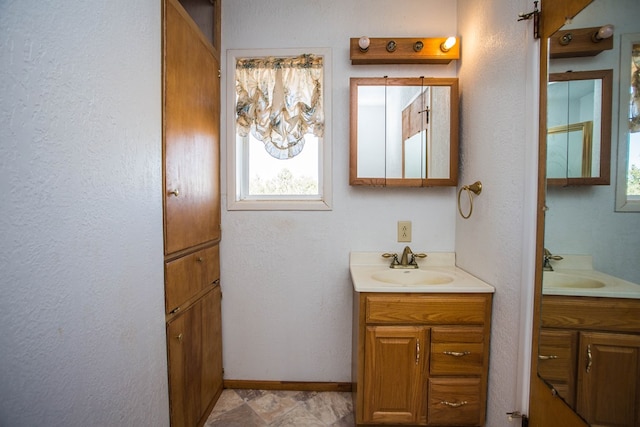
[279,100]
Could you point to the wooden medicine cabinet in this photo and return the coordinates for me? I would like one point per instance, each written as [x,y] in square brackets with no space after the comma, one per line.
[404,132]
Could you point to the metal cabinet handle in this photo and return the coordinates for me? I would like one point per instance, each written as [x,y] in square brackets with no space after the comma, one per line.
[417,350]
[199,259]
[179,337]
[175,192]
[589,358]
[454,404]
[550,357]
[456,353]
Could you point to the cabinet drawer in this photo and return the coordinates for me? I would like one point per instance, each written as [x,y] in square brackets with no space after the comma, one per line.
[457,351]
[190,274]
[439,309]
[454,402]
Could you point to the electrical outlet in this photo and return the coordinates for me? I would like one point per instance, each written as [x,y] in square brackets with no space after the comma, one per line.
[404,231]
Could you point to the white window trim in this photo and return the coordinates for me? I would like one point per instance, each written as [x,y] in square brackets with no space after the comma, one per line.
[233,162]
[624,203]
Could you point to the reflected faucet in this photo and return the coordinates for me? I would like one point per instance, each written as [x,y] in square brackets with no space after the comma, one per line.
[407,260]
[546,262]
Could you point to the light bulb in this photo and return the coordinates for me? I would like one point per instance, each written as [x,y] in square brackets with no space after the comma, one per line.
[448,44]
[363,43]
[604,32]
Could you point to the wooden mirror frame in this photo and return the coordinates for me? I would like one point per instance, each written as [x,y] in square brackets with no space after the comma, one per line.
[545,408]
[452,180]
[604,177]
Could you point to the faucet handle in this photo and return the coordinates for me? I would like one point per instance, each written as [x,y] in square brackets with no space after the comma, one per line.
[414,256]
[420,255]
[394,256]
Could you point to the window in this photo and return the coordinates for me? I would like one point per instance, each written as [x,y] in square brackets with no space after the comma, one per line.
[628,186]
[278,139]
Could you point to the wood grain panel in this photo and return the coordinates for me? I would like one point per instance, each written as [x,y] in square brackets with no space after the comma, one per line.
[584,313]
[191,134]
[454,402]
[185,277]
[557,362]
[434,309]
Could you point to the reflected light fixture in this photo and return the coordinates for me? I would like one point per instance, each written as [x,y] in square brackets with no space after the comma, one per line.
[604,32]
[448,44]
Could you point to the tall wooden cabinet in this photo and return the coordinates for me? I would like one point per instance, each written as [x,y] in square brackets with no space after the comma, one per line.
[191,169]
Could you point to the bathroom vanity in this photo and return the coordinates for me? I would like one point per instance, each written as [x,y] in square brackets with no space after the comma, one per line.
[589,348]
[420,343]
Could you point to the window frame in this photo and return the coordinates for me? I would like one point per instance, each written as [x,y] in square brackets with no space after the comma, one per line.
[625,203]
[235,161]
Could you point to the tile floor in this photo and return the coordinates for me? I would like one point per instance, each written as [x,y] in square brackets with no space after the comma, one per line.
[277,408]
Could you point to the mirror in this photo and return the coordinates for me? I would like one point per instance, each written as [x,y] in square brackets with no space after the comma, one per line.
[404,132]
[579,128]
[588,329]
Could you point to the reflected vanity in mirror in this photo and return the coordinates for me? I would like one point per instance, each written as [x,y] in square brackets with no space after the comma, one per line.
[587,325]
[404,132]
[579,128]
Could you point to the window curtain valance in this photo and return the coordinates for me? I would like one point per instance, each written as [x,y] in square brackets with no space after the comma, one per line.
[634,113]
[279,100]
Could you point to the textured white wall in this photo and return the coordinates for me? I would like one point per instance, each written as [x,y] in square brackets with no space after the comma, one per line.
[81,312]
[499,148]
[285,277]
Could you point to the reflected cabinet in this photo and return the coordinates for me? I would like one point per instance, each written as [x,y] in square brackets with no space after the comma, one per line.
[404,132]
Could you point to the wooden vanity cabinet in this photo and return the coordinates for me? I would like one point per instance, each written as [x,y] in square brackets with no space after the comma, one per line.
[590,353]
[420,359]
[191,208]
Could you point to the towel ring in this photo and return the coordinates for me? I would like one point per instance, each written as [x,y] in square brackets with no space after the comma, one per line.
[475,188]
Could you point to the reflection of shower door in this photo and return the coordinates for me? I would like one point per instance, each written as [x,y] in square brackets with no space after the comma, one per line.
[569,150]
[415,125]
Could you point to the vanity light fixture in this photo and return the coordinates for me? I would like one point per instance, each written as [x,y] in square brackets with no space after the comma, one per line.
[580,42]
[436,50]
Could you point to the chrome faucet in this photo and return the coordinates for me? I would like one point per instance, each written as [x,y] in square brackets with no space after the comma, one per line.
[546,261]
[407,260]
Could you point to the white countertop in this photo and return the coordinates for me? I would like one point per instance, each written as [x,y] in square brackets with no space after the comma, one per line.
[580,266]
[364,265]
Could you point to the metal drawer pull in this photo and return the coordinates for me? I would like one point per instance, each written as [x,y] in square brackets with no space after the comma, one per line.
[542,357]
[454,404]
[199,259]
[589,358]
[175,192]
[456,353]
[417,351]
[179,337]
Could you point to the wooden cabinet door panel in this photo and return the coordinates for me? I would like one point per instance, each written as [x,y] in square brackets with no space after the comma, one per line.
[194,342]
[609,379]
[191,134]
[394,373]
[186,276]
[557,360]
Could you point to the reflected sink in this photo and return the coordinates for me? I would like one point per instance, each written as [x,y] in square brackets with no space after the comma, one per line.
[412,277]
[561,280]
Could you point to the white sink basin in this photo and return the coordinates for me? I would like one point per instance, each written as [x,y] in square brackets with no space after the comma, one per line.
[412,277]
[437,273]
[552,279]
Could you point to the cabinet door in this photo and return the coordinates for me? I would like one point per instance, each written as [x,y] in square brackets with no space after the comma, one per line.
[191,134]
[195,360]
[394,366]
[609,379]
[557,360]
